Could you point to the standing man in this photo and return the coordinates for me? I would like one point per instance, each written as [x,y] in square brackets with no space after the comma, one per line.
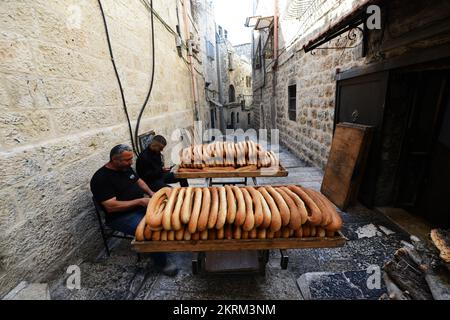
[121,193]
[150,166]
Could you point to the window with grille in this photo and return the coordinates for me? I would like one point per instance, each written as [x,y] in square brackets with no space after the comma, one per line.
[257,57]
[292,102]
[230,61]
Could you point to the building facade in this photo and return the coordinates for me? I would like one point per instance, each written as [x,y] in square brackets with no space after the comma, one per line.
[62,112]
[236,83]
[379,63]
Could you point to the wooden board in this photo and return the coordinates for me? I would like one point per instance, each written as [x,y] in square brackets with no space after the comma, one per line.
[237,245]
[265,172]
[346,162]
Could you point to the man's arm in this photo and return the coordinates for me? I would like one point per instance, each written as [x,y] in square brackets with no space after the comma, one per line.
[114,205]
[145,187]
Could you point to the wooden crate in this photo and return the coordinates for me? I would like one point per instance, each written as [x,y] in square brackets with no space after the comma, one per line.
[346,163]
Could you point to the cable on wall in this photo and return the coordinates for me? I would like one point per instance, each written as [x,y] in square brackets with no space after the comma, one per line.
[141,112]
[125,108]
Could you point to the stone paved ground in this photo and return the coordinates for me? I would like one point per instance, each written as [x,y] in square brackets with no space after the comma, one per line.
[338,273]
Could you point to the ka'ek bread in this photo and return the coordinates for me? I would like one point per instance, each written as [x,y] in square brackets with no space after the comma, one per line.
[441,239]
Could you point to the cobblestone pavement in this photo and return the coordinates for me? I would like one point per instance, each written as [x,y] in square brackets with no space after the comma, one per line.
[338,273]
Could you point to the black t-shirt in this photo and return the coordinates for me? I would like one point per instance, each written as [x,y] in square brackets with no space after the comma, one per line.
[149,165]
[107,184]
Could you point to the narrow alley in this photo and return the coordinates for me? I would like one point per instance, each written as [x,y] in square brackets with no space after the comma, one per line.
[224,150]
[339,273]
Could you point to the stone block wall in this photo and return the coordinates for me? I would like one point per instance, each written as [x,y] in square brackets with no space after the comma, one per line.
[62,113]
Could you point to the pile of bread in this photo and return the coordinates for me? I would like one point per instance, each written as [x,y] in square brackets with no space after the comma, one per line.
[230,212]
[227,154]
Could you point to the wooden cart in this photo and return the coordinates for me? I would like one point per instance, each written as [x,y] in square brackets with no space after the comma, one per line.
[262,246]
[209,176]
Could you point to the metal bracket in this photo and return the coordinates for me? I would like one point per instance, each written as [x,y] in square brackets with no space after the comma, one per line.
[351,35]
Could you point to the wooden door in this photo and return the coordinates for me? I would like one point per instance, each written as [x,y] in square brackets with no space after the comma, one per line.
[362,100]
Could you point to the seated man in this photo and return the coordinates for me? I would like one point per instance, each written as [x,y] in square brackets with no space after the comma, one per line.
[150,166]
[121,193]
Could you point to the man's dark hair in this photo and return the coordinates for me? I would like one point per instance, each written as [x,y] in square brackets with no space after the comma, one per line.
[159,139]
[118,150]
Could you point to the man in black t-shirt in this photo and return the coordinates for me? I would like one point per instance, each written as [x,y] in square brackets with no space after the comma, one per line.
[150,166]
[121,193]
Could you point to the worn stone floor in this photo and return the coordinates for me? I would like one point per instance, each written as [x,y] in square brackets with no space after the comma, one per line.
[338,273]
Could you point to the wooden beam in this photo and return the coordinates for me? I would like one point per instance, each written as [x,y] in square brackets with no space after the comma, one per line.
[237,245]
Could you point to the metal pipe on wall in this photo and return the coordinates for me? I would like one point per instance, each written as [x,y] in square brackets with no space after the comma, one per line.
[275,33]
[274,67]
[191,66]
[219,81]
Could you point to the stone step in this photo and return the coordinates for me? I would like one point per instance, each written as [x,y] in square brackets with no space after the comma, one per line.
[29,291]
[348,285]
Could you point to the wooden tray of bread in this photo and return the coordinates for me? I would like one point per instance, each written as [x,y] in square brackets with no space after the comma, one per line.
[236,245]
[224,159]
[230,172]
[238,218]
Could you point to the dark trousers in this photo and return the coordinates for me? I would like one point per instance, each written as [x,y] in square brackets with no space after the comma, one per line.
[167,178]
[127,224]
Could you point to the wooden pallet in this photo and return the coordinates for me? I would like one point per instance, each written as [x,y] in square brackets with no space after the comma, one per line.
[264,172]
[237,245]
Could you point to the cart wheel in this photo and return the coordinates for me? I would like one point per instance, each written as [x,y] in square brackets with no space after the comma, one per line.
[195,263]
[262,269]
[263,257]
[284,261]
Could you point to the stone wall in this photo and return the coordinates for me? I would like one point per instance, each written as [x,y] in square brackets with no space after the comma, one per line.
[203,11]
[62,113]
[310,136]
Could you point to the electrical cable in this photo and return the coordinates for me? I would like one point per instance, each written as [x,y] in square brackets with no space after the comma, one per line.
[118,78]
[141,112]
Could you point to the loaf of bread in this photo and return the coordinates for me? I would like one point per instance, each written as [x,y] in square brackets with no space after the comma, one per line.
[231,212]
[441,239]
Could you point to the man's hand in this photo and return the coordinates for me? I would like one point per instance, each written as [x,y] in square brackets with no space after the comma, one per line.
[166,169]
[143,202]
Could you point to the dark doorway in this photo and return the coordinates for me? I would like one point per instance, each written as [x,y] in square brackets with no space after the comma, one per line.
[212,112]
[409,161]
[423,180]
[231,94]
